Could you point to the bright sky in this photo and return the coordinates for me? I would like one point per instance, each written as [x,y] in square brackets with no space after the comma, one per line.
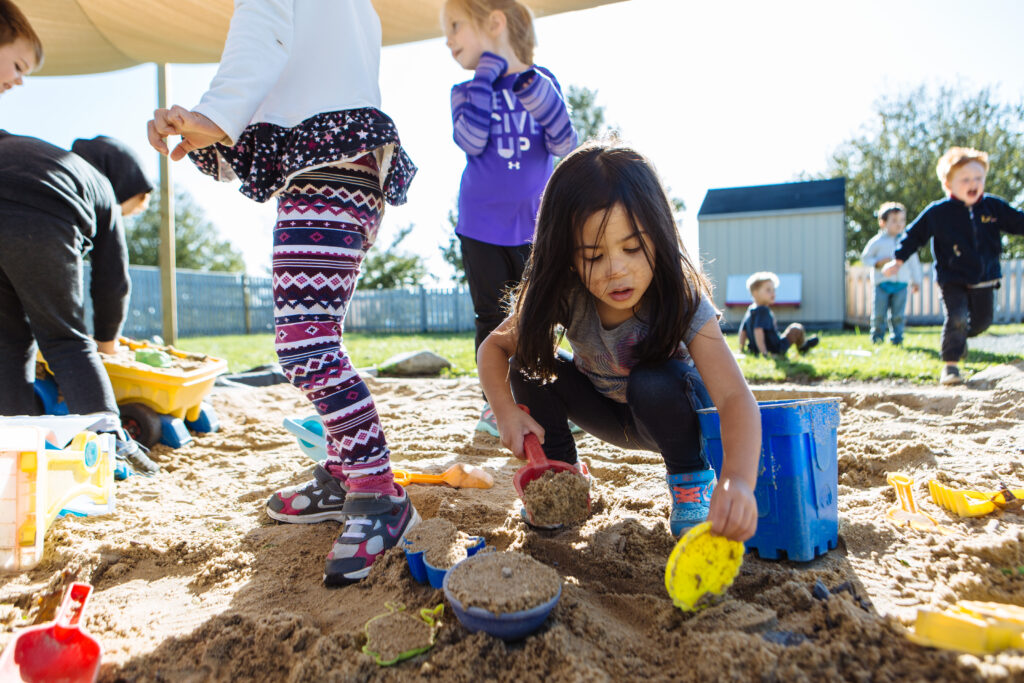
[717,94]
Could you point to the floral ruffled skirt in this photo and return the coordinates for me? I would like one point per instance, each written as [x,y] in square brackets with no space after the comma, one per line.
[266,156]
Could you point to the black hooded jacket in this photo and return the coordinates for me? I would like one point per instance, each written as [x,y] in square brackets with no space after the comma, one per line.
[966,240]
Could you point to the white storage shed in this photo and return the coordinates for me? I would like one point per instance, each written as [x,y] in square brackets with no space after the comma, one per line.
[796,230]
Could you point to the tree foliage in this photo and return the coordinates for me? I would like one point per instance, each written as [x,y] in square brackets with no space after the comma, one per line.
[392,268]
[452,252]
[198,245]
[894,158]
[586,114]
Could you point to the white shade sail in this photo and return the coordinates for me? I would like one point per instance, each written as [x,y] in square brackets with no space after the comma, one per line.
[92,36]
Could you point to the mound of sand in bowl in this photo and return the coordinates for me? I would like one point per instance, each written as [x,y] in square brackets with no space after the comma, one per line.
[194,583]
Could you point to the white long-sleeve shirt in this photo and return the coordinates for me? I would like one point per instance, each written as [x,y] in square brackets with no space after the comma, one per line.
[264,73]
[880,249]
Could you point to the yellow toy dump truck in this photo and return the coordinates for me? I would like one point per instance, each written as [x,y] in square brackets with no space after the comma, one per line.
[157,404]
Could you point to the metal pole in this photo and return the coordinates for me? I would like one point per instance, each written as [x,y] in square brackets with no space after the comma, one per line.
[169,297]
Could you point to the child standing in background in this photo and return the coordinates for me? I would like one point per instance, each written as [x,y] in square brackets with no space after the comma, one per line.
[512,121]
[294,112]
[890,292]
[964,229]
[608,267]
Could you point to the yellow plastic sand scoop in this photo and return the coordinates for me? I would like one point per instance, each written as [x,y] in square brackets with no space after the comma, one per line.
[967,503]
[907,513]
[701,564]
[976,627]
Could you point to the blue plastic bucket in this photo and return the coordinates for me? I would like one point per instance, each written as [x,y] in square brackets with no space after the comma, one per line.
[798,476]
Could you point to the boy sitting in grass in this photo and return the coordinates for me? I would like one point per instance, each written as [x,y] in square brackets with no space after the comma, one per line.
[965,232]
[758,327]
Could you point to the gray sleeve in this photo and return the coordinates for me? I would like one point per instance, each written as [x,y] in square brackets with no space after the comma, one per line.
[705,312]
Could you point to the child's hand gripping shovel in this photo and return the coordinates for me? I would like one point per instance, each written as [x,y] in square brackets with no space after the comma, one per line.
[537,465]
[55,651]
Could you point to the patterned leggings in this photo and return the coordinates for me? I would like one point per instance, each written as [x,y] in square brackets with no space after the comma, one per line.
[327,220]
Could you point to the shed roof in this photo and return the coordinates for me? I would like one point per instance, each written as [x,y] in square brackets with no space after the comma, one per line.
[802,195]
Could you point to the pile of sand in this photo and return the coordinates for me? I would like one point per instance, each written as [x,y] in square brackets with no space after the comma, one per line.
[194,583]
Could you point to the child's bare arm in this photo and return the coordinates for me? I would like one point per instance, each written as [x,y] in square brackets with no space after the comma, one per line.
[733,507]
[762,348]
[492,365]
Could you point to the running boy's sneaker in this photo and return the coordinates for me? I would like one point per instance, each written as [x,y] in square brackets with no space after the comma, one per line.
[691,499]
[314,501]
[374,523]
[950,375]
[487,422]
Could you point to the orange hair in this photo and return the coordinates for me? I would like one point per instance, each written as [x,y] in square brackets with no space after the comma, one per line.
[955,157]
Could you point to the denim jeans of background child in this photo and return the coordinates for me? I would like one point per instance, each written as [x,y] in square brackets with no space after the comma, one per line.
[660,413]
[968,312]
[890,309]
[42,296]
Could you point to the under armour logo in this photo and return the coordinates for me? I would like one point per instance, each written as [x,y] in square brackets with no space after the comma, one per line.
[513,165]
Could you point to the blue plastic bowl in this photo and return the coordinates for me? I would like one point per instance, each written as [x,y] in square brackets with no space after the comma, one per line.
[509,626]
[424,572]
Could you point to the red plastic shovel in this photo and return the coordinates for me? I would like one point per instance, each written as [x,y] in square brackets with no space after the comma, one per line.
[57,651]
[536,465]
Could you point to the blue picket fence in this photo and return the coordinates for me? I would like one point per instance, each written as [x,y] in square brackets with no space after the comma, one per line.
[212,304]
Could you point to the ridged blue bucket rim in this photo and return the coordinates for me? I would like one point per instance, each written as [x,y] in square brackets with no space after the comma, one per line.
[784,403]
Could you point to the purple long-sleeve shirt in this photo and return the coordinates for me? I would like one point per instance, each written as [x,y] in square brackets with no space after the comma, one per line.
[511,128]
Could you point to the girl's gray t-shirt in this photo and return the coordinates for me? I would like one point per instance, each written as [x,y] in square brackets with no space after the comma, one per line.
[606,357]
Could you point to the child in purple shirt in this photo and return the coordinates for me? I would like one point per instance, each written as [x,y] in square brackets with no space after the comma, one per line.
[512,121]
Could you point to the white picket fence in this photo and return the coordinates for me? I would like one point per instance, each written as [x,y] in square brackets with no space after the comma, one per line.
[925,307]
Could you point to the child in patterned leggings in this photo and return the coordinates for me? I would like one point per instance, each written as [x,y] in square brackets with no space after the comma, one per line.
[294,113]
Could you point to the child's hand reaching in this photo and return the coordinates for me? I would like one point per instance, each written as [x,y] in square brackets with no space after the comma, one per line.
[892,267]
[196,131]
[513,426]
[733,510]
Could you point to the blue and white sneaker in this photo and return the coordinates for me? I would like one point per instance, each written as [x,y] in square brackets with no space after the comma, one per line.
[691,499]
[374,523]
[487,422]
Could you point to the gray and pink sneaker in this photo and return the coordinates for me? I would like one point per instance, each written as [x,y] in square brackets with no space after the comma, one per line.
[319,500]
[374,523]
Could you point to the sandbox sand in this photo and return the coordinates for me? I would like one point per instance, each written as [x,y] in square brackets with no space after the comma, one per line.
[194,582]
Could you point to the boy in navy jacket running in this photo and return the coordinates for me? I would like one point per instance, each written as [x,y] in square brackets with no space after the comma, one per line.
[966,242]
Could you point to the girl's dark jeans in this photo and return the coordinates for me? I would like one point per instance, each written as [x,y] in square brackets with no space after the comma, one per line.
[660,413]
[968,313]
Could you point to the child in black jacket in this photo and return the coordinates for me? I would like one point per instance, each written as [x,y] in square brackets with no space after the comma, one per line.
[965,229]
[56,206]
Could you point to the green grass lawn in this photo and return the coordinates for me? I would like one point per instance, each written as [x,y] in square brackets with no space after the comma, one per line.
[846,354]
